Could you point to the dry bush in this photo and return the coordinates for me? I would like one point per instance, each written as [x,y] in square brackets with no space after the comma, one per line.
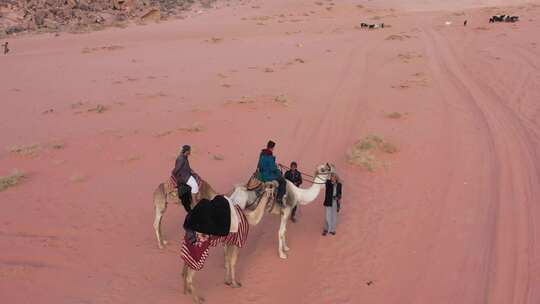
[77,178]
[409,56]
[364,152]
[11,180]
[394,115]
[28,150]
[243,100]
[281,99]
[398,37]
[57,146]
[389,148]
[218,157]
[215,40]
[99,109]
[193,129]
[164,133]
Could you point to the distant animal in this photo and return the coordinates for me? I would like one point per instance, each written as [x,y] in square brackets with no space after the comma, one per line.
[503,18]
[371,26]
[6,49]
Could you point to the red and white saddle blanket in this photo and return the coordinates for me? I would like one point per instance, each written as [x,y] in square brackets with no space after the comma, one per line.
[172,182]
[194,255]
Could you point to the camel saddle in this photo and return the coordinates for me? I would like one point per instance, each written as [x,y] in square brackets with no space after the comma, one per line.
[253,183]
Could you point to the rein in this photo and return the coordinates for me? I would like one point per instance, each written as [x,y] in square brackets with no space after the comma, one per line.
[305,174]
[259,196]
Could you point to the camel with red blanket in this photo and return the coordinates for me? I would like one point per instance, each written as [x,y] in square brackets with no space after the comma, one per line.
[219,222]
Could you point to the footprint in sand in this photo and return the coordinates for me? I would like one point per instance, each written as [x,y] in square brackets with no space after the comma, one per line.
[214,40]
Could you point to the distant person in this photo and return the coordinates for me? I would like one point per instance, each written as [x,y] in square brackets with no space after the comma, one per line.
[6,49]
[332,204]
[187,181]
[295,177]
[268,170]
[465,23]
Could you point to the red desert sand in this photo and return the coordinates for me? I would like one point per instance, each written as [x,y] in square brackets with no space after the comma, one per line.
[94,121]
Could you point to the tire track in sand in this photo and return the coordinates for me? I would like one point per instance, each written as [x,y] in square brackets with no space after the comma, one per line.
[510,234]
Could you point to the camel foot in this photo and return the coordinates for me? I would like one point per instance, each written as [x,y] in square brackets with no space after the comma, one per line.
[234,284]
[283,255]
[286,248]
[198,299]
[162,244]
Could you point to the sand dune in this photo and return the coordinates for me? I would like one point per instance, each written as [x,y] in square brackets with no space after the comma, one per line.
[450,217]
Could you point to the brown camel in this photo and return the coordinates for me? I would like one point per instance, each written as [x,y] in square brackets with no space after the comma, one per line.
[165,193]
[231,252]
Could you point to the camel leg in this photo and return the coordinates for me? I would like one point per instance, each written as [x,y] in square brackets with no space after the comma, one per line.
[233,258]
[188,285]
[195,198]
[228,280]
[184,274]
[160,210]
[285,212]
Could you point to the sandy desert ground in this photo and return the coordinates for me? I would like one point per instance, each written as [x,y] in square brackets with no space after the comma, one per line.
[95,121]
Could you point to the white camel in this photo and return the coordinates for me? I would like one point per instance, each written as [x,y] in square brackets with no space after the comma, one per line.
[294,196]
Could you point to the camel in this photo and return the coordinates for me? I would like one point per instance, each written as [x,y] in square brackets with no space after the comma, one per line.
[293,196]
[231,251]
[165,193]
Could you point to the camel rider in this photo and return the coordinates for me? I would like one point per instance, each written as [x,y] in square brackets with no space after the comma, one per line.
[186,179]
[268,170]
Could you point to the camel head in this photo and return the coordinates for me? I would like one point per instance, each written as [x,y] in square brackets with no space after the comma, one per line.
[323,171]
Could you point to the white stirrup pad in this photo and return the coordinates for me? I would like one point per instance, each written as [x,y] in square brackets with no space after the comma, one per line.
[193,184]
[234,217]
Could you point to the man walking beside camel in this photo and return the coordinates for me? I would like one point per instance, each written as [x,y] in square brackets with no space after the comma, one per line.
[332,201]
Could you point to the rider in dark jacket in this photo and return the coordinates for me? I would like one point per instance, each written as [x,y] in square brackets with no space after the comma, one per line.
[186,179]
[268,170]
